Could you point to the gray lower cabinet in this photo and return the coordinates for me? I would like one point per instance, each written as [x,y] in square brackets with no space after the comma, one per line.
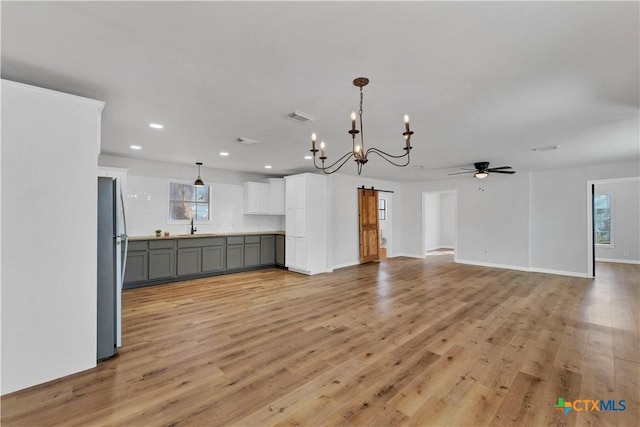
[137,267]
[189,261]
[165,260]
[280,260]
[251,254]
[251,251]
[213,258]
[162,261]
[235,252]
[267,250]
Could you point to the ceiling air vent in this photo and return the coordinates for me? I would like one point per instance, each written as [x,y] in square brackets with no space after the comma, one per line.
[547,148]
[247,141]
[301,117]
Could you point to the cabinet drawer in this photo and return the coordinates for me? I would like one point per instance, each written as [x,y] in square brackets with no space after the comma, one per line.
[138,245]
[235,240]
[252,239]
[161,244]
[200,242]
[213,241]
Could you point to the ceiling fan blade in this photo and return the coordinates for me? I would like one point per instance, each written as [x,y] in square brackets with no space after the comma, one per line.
[499,167]
[458,173]
[509,172]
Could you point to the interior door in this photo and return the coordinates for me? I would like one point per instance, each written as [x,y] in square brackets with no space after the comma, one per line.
[369,226]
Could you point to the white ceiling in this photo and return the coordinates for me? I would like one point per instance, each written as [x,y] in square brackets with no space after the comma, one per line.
[481,81]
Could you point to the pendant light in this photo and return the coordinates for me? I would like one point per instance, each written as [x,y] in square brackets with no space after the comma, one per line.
[199,182]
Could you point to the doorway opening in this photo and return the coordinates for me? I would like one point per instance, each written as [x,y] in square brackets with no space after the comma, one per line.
[439,223]
[613,220]
[385,200]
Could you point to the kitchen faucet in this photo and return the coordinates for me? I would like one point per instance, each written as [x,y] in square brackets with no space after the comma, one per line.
[193,229]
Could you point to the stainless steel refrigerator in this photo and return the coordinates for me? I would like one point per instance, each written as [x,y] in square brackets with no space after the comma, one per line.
[111,255]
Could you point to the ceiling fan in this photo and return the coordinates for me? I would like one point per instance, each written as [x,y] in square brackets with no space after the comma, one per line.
[482,170]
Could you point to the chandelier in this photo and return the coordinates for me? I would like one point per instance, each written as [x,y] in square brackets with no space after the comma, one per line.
[358,149]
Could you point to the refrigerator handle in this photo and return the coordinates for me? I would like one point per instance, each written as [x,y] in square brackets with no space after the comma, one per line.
[124,236]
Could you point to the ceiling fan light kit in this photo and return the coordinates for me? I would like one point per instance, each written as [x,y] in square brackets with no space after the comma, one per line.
[358,150]
[482,170]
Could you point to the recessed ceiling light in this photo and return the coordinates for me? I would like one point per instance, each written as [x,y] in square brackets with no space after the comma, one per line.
[224,153]
[267,167]
[156,125]
[308,157]
[135,147]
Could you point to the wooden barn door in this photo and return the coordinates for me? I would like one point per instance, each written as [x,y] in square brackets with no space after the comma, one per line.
[369,226]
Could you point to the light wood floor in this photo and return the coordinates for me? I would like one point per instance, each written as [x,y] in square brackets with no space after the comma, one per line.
[403,342]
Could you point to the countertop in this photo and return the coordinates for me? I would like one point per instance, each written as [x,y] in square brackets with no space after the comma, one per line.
[196,235]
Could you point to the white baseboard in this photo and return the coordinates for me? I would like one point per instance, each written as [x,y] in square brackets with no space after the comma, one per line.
[559,272]
[492,265]
[619,261]
[435,248]
[407,255]
[527,269]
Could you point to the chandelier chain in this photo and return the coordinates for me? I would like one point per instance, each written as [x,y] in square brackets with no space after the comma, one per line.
[361,129]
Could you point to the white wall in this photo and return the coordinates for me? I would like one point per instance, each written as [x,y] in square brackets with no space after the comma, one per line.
[439,225]
[448,218]
[559,240]
[147,195]
[530,221]
[492,219]
[432,221]
[344,231]
[49,260]
[625,222]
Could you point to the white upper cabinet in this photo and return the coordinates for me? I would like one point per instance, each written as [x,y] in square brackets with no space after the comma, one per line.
[254,197]
[276,196]
[264,198]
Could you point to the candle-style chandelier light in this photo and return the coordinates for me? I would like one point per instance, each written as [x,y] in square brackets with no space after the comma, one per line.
[358,150]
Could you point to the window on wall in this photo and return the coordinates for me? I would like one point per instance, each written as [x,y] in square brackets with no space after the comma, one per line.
[187,202]
[602,216]
[382,209]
